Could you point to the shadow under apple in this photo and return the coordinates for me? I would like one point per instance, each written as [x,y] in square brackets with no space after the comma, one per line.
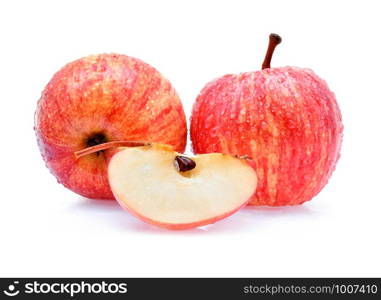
[110,212]
[252,218]
[248,219]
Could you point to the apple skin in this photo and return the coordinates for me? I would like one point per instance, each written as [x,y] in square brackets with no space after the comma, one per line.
[286,119]
[102,98]
[179,226]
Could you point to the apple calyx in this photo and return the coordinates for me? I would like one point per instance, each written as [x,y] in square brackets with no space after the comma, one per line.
[96,139]
[108,145]
[274,40]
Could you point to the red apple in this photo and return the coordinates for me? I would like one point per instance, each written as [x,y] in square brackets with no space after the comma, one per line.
[167,189]
[286,119]
[98,99]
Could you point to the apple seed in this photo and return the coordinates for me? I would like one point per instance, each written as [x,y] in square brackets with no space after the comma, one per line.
[183,163]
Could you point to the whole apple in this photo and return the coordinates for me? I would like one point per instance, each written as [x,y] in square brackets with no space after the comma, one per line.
[98,99]
[286,119]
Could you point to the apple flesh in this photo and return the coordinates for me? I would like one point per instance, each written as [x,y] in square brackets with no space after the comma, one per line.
[148,182]
[98,99]
[286,119]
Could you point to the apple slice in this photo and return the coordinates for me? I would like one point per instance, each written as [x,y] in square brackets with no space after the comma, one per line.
[168,189]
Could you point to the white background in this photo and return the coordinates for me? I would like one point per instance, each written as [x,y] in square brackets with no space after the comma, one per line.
[46,230]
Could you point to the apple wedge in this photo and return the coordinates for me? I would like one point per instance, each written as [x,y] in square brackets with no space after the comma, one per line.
[168,189]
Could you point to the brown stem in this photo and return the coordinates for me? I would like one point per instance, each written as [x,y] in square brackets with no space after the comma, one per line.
[108,145]
[183,163]
[274,40]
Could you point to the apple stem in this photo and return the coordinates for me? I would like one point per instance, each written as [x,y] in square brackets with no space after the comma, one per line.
[105,146]
[274,40]
[183,163]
